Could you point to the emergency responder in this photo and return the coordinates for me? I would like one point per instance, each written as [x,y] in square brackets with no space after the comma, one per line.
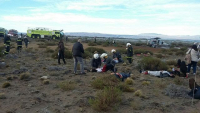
[7,41]
[19,44]
[129,49]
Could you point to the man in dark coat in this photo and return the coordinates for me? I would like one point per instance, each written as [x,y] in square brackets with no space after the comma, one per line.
[77,52]
[7,41]
[61,48]
[129,52]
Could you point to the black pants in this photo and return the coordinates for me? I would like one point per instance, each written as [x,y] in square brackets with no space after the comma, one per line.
[7,50]
[61,55]
[19,48]
[26,44]
[129,60]
[109,67]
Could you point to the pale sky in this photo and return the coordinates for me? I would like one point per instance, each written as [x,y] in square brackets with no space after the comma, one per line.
[169,17]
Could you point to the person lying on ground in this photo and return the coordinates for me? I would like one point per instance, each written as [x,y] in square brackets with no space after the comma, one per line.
[195,89]
[160,74]
[122,76]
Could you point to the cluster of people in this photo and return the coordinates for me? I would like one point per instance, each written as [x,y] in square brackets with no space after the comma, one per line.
[7,41]
[97,60]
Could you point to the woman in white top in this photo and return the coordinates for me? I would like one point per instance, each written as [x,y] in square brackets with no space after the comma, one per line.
[194,59]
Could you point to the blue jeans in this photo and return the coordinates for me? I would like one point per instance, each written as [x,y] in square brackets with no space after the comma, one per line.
[124,76]
[80,60]
[194,64]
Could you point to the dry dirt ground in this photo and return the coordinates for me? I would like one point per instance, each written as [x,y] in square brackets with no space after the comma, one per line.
[32,96]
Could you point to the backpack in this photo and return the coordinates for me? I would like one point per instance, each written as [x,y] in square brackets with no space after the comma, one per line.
[188,57]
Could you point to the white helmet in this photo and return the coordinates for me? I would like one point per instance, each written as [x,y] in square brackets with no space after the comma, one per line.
[128,44]
[113,50]
[19,36]
[103,55]
[96,56]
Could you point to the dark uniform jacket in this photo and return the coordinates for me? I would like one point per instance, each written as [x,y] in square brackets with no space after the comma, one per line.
[130,51]
[7,41]
[96,62]
[116,55]
[19,42]
[77,49]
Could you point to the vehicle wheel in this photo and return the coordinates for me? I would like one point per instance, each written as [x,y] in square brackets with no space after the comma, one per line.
[38,36]
[54,37]
[32,36]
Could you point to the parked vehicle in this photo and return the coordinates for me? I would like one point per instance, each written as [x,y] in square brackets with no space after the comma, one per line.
[44,33]
[156,42]
[13,32]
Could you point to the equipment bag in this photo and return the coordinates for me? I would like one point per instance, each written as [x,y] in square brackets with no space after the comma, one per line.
[188,57]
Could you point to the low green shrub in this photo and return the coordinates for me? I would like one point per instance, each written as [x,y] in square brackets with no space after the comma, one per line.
[87,55]
[51,43]
[92,44]
[180,53]
[93,49]
[171,62]
[159,55]
[122,51]
[153,64]
[139,51]
[107,99]
[105,44]
[49,50]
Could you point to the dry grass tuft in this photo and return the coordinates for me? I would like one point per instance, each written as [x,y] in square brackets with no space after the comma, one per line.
[67,85]
[145,83]
[178,81]
[2,96]
[129,81]
[46,82]
[6,84]
[108,99]
[138,93]
[24,76]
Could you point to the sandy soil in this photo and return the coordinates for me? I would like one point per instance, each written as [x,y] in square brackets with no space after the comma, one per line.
[32,96]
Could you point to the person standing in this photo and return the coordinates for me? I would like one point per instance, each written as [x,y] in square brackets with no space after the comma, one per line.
[19,44]
[77,52]
[61,48]
[129,49]
[7,41]
[26,41]
[194,59]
